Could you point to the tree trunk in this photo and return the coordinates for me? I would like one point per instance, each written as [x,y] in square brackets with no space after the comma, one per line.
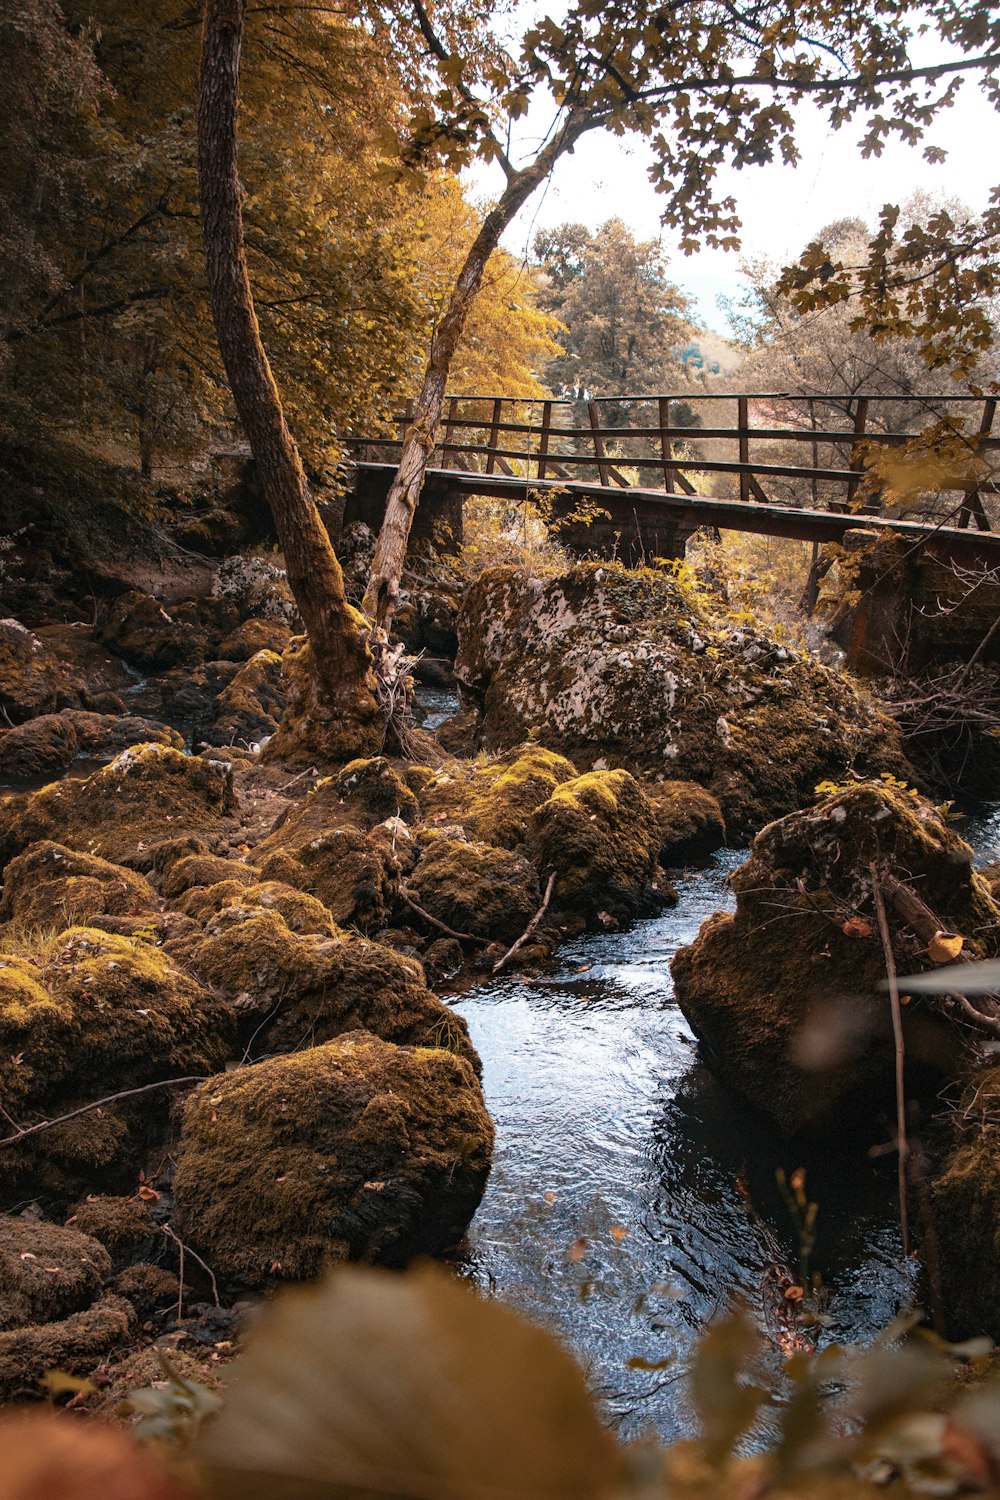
[382,593]
[344,694]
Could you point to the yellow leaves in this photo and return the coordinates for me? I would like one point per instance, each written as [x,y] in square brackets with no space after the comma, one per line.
[944,947]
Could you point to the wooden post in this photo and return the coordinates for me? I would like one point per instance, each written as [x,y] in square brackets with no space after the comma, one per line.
[494,434]
[599,453]
[743,425]
[860,418]
[665,446]
[543,441]
[452,414]
[972,506]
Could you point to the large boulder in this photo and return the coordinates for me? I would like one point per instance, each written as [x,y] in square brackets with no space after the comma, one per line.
[787,994]
[50,887]
[83,1016]
[641,669]
[354,874]
[151,634]
[29,674]
[493,800]
[354,1150]
[301,987]
[601,836]
[125,807]
[248,708]
[690,820]
[476,889]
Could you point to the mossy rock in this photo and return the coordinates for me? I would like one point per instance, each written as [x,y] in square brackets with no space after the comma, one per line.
[355,1150]
[363,794]
[271,635]
[76,1345]
[476,889]
[250,705]
[49,888]
[493,800]
[151,635]
[83,1017]
[964,1211]
[314,732]
[124,807]
[52,742]
[47,1271]
[204,870]
[297,988]
[29,674]
[122,1225]
[690,819]
[355,875]
[644,670]
[601,836]
[786,994]
[301,912]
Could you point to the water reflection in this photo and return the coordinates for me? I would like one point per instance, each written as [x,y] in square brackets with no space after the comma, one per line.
[614,1213]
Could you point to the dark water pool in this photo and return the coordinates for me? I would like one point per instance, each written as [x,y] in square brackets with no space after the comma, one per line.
[610,1131]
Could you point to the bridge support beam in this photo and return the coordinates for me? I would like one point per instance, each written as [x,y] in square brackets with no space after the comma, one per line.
[641,531]
[439,514]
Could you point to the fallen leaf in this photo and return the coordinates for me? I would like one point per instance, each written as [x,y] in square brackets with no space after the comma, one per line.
[577,1250]
[856,927]
[619,1232]
[794,1293]
[148,1194]
[638,1363]
[550,1197]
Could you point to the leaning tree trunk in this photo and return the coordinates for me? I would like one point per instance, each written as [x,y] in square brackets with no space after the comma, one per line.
[339,696]
[420,438]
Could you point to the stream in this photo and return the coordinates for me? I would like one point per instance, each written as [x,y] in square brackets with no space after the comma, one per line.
[613,1214]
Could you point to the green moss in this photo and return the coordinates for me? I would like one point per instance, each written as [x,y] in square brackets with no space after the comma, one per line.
[476,889]
[352,1150]
[50,886]
[47,1271]
[355,875]
[122,1225]
[301,912]
[127,805]
[494,800]
[76,1344]
[97,1013]
[314,732]
[600,834]
[204,870]
[690,820]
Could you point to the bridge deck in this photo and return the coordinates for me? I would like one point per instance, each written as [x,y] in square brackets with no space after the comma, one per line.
[696,511]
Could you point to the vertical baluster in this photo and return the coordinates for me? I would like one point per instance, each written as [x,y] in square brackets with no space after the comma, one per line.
[543,441]
[860,419]
[449,427]
[599,453]
[666,449]
[494,434]
[972,506]
[743,432]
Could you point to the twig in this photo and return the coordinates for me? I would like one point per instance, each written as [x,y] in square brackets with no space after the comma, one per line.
[902,1145]
[186,1249]
[531,928]
[463,937]
[164,1083]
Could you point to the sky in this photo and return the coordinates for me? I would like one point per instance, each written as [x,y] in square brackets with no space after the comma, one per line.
[782,208]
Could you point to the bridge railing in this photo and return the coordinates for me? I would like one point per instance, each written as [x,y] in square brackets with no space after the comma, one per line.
[810,451]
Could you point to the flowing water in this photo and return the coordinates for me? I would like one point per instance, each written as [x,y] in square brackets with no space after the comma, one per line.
[613,1214]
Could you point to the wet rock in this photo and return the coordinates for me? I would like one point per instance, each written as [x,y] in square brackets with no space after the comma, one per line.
[443,959]
[785,994]
[295,987]
[29,675]
[601,835]
[51,742]
[124,807]
[271,635]
[494,800]
[355,875]
[352,1150]
[82,1016]
[477,889]
[151,634]
[50,887]
[690,819]
[75,1344]
[47,1271]
[613,667]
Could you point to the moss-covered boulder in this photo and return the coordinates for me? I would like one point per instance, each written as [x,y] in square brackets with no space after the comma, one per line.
[49,888]
[273,635]
[296,988]
[786,994]
[493,800]
[354,874]
[354,1150]
[601,836]
[47,1271]
[125,807]
[122,1225]
[645,670]
[153,635]
[249,707]
[75,1344]
[690,819]
[85,1015]
[476,889]
[29,674]
[964,1215]
[52,742]
[300,911]
[204,870]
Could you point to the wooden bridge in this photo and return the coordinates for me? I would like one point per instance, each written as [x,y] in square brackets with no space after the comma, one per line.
[664,466]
